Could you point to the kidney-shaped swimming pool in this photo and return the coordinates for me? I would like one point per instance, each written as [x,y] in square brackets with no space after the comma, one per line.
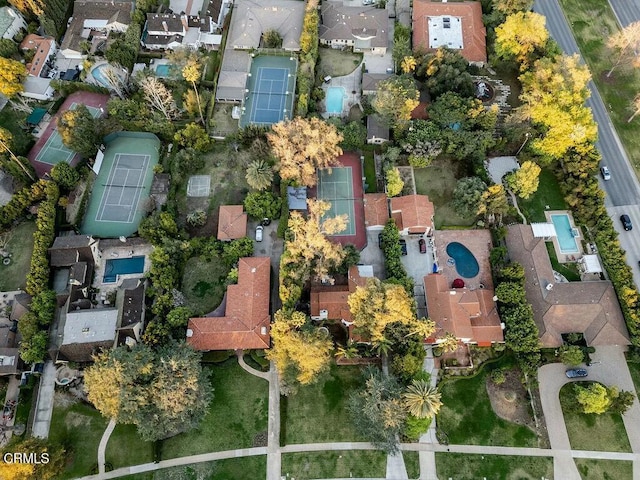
[466,263]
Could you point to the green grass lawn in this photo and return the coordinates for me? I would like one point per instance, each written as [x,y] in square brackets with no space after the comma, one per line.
[370,171]
[412,463]
[604,469]
[569,270]
[237,413]
[603,432]
[126,448]
[80,427]
[13,276]
[438,182]
[466,416]
[592,22]
[458,466]
[548,194]
[14,122]
[345,464]
[634,368]
[336,63]
[231,469]
[203,284]
[317,413]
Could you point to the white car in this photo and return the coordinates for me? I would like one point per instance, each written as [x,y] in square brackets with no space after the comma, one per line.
[368,2]
[606,174]
[259,230]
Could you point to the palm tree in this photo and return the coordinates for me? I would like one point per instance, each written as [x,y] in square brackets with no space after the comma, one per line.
[421,399]
[382,346]
[259,174]
[350,350]
[449,343]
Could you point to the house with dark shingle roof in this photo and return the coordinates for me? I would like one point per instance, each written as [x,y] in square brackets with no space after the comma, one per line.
[377,130]
[232,222]
[454,25]
[364,28]
[92,17]
[588,307]
[242,321]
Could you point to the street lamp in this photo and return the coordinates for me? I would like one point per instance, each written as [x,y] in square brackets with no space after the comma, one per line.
[526,139]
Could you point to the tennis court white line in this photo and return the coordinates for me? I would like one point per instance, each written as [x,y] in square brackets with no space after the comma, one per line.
[107,191]
[282,94]
[351,230]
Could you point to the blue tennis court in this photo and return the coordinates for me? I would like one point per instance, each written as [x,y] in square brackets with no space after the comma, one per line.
[54,151]
[270,90]
[335,185]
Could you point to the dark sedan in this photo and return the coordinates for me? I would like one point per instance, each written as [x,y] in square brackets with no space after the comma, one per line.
[576,373]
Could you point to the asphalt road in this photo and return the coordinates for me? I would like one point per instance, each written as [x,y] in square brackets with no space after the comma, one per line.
[623,190]
[627,11]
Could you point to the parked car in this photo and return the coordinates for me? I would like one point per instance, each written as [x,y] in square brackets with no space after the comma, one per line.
[626,222]
[259,230]
[403,246]
[422,245]
[606,174]
[265,222]
[576,373]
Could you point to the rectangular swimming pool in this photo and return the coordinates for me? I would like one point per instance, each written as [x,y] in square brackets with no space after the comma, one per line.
[163,70]
[565,233]
[335,99]
[122,266]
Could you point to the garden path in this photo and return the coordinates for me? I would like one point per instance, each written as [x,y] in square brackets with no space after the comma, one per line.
[103,445]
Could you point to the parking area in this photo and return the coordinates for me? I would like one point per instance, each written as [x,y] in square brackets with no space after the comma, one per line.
[418,265]
[372,254]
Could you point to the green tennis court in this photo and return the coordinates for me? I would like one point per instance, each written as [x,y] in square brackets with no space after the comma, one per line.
[335,185]
[121,190]
[54,151]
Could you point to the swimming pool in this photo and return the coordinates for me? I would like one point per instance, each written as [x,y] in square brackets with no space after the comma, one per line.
[335,99]
[466,263]
[162,70]
[122,266]
[565,233]
[99,73]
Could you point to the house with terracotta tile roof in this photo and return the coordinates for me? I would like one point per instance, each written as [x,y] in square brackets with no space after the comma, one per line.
[232,222]
[376,210]
[43,47]
[413,214]
[471,315]
[329,302]
[242,321]
[453,25]
[587,307]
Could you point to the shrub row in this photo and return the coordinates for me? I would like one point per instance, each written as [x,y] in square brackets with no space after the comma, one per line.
[392,257]
[308,58]
[21,200]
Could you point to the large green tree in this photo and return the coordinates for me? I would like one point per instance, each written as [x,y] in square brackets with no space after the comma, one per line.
[445,71]
[467,196]
[162,392]
[395,99]
[80,131]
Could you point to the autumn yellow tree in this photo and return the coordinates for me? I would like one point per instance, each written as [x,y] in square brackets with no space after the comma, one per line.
[378,304]
[553,96]
[395,99]
[301,146]
[192,72]
[309,253]
[36,470]
[524,181]
[520,35]
[394,183]
[624,44]
[16,471]
[494,204]
[409,64]
[12,74]
[300,352]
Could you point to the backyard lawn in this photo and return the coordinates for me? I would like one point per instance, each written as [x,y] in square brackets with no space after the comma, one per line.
[336,63]
[438,182]
[603,432]
[230,469]
[569,270]
[13,276]
[126,448]
[604,469]
[236,415]
[548,194]
[458,466]
[370,170]
[467,417]
[203,284]
[592,22]
[317,413]
[343,464]
[412,463]
[14,122]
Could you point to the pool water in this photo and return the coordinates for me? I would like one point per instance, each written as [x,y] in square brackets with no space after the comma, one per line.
[335,99]
[163,70]
[122,266]
[99,74]
[465,262]
[564,233]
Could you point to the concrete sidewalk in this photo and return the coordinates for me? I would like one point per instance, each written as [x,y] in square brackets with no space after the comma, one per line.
[44,403]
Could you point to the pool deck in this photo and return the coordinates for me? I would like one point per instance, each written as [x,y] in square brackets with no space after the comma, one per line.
[350,83]
[566,257]
[478,242]
[124,250]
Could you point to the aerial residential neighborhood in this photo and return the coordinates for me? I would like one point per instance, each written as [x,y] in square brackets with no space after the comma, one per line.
[319,239]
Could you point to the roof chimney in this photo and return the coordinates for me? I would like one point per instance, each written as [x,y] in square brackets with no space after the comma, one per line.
[165,26]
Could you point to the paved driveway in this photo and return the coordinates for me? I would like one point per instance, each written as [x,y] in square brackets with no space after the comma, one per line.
[610,368]
[372,254]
